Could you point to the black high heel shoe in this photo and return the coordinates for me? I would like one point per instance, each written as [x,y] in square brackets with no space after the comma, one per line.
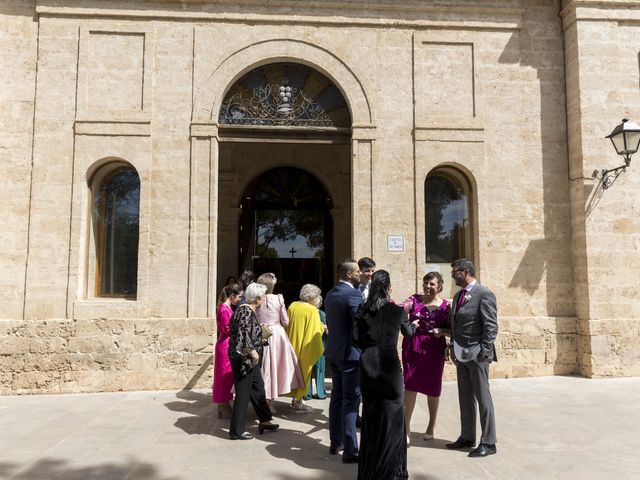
[263,426]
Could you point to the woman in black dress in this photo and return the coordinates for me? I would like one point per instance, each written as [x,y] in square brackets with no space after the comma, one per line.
[383,444]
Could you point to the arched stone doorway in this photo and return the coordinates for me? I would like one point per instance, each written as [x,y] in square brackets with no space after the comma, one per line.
[284,171]
[286,228]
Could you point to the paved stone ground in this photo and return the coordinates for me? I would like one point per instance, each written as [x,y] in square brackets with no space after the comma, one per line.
[548,428]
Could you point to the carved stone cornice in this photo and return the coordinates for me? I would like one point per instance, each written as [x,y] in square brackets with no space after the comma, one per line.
[621,11]
[478,15]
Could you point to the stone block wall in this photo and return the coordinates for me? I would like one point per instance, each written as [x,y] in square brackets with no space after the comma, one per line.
[99,354]
[602,54]
[18,44]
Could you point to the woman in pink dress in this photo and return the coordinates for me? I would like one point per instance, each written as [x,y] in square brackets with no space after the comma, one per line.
[222,374]
[280,369]
[423,354]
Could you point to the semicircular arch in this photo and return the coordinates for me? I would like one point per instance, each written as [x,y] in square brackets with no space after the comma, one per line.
[211,93]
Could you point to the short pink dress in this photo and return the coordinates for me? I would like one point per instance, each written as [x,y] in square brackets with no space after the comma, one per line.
[280,369]
[423,354]
[222,374]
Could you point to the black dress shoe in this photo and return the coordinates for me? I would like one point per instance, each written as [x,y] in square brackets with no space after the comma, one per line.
[352,459]
[335,449]
[244,436]
[267,426]
[461,443]
[483,450]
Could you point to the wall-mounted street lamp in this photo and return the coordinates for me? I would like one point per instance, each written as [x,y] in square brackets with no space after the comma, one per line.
[626,139]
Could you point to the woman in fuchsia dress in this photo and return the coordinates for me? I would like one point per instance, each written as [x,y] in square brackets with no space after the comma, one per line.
[222,374]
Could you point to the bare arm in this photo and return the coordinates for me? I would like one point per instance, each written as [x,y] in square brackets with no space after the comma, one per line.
[284,318]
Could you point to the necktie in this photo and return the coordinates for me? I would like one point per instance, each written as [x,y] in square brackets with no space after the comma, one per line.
[460,300]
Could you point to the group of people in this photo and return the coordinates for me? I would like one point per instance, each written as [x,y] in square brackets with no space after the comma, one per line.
[265,350]
[272,351]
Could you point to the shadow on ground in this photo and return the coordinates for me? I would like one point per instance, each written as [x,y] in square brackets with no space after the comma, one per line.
[294,442]
[202,419]
[203,415]
[51,469]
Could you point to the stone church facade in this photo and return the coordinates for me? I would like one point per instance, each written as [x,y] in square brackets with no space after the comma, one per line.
[148,148]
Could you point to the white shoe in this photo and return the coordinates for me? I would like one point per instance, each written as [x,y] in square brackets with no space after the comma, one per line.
[428,436]
[301,408]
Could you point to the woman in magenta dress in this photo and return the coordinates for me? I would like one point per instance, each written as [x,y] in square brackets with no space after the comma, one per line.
[222,374]
[423,354]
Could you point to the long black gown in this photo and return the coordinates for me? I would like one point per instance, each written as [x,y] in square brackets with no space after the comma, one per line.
[383,444]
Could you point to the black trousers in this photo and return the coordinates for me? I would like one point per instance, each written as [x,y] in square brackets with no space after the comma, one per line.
[249,388]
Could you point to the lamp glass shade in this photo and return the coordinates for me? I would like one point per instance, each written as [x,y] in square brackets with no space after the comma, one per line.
[618,143]
[632,142]
[626,138]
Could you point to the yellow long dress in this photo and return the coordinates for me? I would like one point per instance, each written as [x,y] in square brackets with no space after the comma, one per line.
[305,333]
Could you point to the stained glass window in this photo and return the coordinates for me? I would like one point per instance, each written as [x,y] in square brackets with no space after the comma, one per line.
[285,94]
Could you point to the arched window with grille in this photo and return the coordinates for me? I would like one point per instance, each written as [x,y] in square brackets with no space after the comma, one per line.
[448,216]
[115,222]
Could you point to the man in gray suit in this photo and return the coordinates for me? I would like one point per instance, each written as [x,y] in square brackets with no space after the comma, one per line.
[474,327]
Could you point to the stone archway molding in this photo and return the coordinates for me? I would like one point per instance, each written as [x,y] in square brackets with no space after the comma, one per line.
[203,243]
[210,94]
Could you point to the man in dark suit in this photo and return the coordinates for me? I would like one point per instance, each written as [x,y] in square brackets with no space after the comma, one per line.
[341,304]
[474,327]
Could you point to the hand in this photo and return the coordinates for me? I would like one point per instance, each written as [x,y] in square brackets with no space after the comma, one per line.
[406,305]
[437,333]
[449,355]
[254,358]
[482,358]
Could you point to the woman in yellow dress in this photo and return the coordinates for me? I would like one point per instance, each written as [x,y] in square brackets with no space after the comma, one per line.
[305,332]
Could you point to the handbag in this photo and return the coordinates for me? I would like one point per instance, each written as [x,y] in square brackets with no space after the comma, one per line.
[266,333]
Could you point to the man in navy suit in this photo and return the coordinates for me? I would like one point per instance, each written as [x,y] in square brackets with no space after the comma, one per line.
[341,304]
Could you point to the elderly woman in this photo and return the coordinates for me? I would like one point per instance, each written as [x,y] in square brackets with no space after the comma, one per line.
[305,332]
[245,353]
[280,370]
[317,371]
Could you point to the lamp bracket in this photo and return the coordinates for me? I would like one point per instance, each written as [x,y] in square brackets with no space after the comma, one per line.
[609,176]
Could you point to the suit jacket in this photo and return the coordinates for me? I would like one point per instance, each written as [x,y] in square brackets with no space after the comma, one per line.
[340,305]
[475,324]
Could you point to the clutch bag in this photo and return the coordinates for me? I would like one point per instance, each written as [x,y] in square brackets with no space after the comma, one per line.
[266,333]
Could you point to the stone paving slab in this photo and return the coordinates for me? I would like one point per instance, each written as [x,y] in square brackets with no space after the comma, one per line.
[548,428]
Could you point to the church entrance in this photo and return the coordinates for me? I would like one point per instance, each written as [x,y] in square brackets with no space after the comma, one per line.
[284,185]
[287,230]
